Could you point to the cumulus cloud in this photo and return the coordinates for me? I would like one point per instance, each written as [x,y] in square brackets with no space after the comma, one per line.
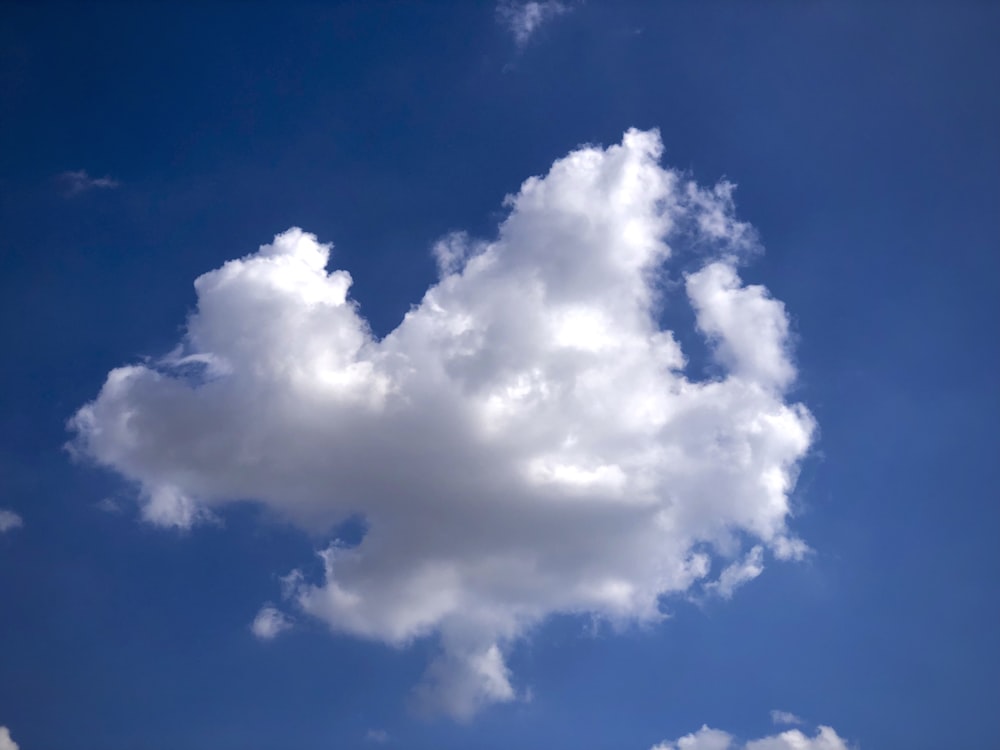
[784,717]
[528,440]
[6,741]
[269,623]
[713,739]
[79,181]
[9,520]
[523,19]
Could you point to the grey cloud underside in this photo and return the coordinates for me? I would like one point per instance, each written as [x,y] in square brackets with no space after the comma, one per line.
[525,442]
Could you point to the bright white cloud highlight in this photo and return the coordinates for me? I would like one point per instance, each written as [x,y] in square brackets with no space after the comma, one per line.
[6,741]
[523,19]
[79,181]
[713,739]
[9,520]
[526,442]
[269,623]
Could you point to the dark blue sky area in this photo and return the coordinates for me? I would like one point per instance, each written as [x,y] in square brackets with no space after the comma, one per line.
[864,140]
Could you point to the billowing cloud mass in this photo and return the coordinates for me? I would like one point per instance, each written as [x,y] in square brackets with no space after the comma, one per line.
[523,19]
[9,520]
[526,442]
[6,741]
[714,739]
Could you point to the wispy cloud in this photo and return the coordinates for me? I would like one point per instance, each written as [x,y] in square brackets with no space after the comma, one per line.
[79,181]
[523,19]
[784,717]
[379,736]
[109,505]
[736,574]
[9,520]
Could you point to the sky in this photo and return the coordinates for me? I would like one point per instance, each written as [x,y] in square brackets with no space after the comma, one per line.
[543,374]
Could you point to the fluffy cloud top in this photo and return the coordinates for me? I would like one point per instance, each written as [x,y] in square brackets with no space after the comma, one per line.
[9,520]
[714,739]
[523,19]
[526,441]
[6,741]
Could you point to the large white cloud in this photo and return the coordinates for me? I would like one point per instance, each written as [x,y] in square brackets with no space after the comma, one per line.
[525,442]
[714,739]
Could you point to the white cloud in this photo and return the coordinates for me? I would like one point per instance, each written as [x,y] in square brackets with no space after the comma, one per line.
[703,739]
[784,717]
[9,520]
[6,741]
[269,623]
[526,442]
[738,573]
[824,739]
[377,735]
[80,182]
[714,739]
[464,678]
[523,19]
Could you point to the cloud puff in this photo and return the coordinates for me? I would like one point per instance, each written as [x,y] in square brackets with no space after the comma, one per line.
[269,623]
[9,520]
[79,181]
[523,19]
[6,742]
[526,442]
[784,717]
[714,739]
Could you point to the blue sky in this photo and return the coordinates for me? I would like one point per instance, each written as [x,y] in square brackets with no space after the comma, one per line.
[545,523]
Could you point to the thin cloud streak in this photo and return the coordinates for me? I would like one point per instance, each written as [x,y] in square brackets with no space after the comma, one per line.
[76,182]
